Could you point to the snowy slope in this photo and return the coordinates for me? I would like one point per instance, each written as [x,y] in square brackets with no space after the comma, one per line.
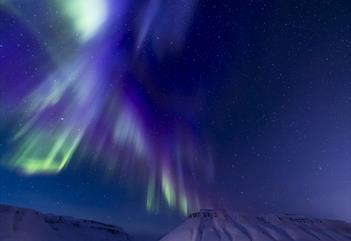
[210,225]
[19,224]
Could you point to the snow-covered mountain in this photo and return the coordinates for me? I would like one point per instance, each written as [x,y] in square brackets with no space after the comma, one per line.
[20,224]
[210,225]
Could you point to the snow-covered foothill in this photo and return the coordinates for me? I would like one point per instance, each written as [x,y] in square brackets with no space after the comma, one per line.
[21,224]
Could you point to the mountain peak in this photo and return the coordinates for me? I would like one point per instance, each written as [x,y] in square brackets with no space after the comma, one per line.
[220,225]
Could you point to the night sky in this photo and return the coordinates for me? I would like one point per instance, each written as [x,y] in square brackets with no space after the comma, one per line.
[138,112]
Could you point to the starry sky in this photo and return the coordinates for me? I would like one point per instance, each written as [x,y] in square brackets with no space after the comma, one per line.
[138,112]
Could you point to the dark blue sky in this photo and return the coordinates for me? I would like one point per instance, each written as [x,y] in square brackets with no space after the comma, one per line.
[266,83]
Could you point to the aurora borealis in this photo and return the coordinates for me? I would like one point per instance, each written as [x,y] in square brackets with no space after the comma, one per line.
[138,112]
[82,94]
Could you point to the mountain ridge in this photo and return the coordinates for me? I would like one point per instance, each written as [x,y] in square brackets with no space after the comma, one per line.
[29,225]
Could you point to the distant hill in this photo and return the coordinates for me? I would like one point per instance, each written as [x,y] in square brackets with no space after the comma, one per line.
[20,224]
